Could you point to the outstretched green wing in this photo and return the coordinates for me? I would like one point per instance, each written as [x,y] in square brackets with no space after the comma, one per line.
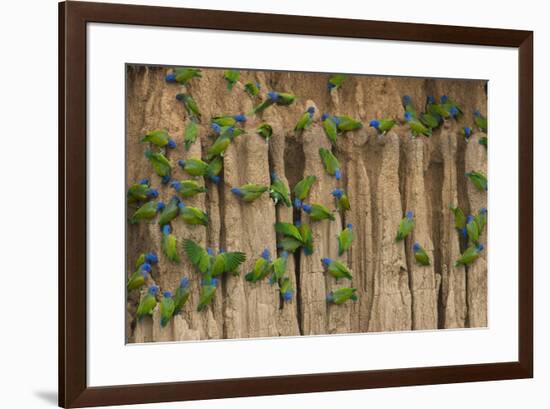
[198,256]
[233,260]
[289,230]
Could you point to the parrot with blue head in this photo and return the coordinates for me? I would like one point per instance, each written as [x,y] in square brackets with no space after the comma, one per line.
[262,268]
[147,303]
[451,107]
[139,277]
[197,167]
[345,123]
[472,229]
[252,88]
[417,127]
[279,268]
[231,77]
[169,212]
[466,133]
[408,105]
[480,121]
[161,165]
[181,296]
[170,244]
[342,295]
[167,307]
[249,192]
[336,268]
[292,237]
[207,292]
[470,255]
[345,239]
[279,191]
[146,211]
[478,179]
[149,258]
[265,131]
[301,190]
[460,220]
[183,75]
[382,126]
[285,288]
[335,81]
[160,138]
[405,226]
[481,219]
[140,192]
[318,212]
[429,121]
[190,134]
[342,200]
[190,106]
[228,120]
[187,188]
[331,164]
[420,255]
[305,120]
[192,215]
[221,144]
[330,128]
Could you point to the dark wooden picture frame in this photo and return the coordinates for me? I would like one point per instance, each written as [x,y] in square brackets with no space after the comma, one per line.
[73,388]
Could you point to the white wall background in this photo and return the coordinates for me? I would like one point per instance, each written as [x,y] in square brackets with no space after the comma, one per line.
[28,233]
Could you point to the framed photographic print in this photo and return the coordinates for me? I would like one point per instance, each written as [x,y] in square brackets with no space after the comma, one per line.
[291,219]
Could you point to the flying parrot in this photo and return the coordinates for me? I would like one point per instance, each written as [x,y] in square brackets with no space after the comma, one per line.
[480,121]
[478,179]
[167,307]
[481,219]
[345,123]
[160,163]
[190,134]
[336,81]
[207,292]
[382,125]
[252,88]
[408,105]
[198,256]
[146,212]
[420,255]
[279,191]
[305,120]
[187,188]
[170,244]
[279,268]
[345,238]
[301,190]
[341,295]
[473,229]
[181,296]
[160,138]
[438,111]
[265,131]
[182,75]
[405,226]
[262,267]
[460,220]
[190,105]
[228,120]
[318,212]
[140,192]
[249,192]
[231,77]
[331,164]
[138,278]
[147,303]
[331,130]
[342,200]
[285,288]
[192,215]
[336,268]
[470,255]
[169,212]
[417,127]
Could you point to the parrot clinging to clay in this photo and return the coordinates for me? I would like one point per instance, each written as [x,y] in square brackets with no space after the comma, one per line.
[460,220]
[167,307]
[318,212]
[451,107]
[342,295]
[197,167]
[183,75]
[207,292]
[305,120]
[213,265]
[265,131]
[417,127]
[480,121]
[161,165]
[279,191]
[262,268]
[252,88]
[138,278]
[336,268]
[231,77]
[330,128]
[169,244]
[478,179]
[472,229]
[331,164]
[274,97]
[223,141]
[169,212]
[190,105]
[342,200]
[470,255]
[190,134]
[285,288]
[192,215]
[160,138]
[150,258]
[382,126]
[405,226]
[301,190]
[345,123]
[140,192]
[187,188]
[279,268]
[147,211]
[345,239]
[147,303]
[481,219]
[228,120]
[249,192]
[335,81]
[466,133]
[295,236]
[420,255]
[181,296]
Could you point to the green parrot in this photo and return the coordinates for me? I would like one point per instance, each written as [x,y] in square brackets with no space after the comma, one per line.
[417,127]
[451,107]
[279,191]
[279,268]
[470,255]
[341,295]
[167,307]
[140,192]
[336,268]
[439,111]
[460,220]
[305,120]
[307,237]
[228,120]
[262,268]
[231,77]
[478,179]
[336,81]
[192,215]
[149,258]
[190,105]
[273,97]
[225,262]
[285,288]
[198,256]
[480,121]
[345,238]
[207,292]
[483,141]
[331,164]
[170,244]
[481,219]
[187,188]
[420,255]
[182,75]
[318,212]
[301,190]
[405,226]
[265,131]
[429,120]
[221,144]
[252,88]
[190,134]
[345,123]
[408,105]
[466,133]
[169,212]
[249,192]
[289,244]
[138,278]
[147,303]
[472,229]
[160,138]
[331,130]
[382,125]
[181,296]
[197,167]
[160,163]
[289,230]
[342,200]
[146,212]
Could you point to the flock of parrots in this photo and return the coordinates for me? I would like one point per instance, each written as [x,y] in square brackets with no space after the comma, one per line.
[291,236]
